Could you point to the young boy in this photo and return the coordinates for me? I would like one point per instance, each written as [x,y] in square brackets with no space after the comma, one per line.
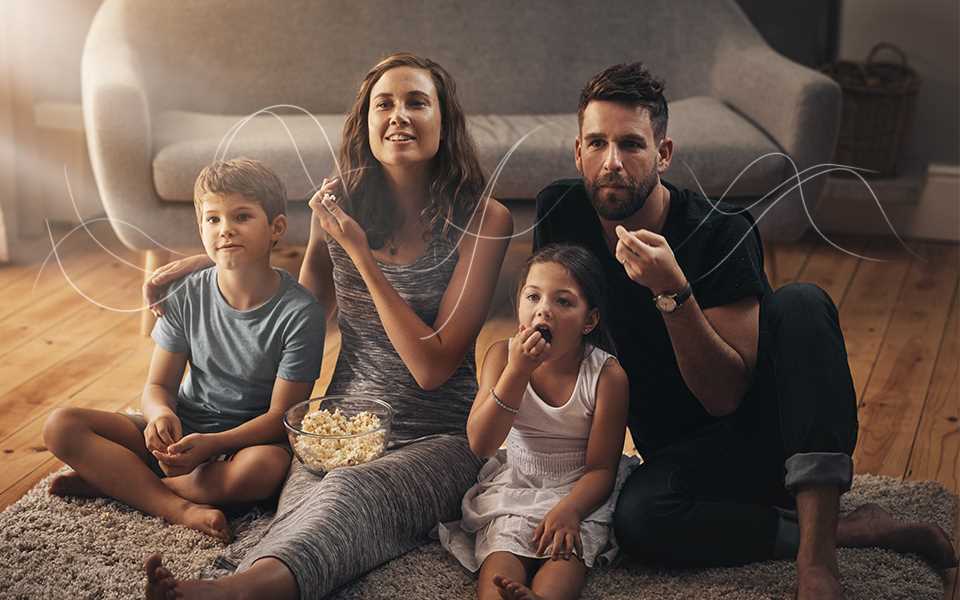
[254,341]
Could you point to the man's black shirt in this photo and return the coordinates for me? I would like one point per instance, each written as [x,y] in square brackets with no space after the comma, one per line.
[720,255]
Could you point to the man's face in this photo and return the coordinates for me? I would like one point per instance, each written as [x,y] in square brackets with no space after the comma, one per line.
[618,158]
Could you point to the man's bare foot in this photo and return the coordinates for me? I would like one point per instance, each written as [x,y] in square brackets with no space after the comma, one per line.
[205,519]
[160,582]
[161,585]
[511,590]
[71,484]
[871,525]
[818,583]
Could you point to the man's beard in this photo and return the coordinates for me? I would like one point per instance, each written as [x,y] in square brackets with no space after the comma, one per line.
[612,208]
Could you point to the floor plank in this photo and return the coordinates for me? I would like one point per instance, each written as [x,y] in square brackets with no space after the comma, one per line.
[832,269]
[893,401]
[788,259]
[868,304]
[46,389]
[114,386]
[62,323]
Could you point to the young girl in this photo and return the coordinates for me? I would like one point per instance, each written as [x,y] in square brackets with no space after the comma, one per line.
[543,508]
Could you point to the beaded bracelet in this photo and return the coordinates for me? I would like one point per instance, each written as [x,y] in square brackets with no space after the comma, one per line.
[509,409]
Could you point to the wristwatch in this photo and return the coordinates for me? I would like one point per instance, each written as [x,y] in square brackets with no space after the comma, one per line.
[669,302]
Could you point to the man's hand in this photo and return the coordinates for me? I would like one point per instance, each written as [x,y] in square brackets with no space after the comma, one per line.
[560,532]
[648,260]
[185,455]
[527,350]
[161,432]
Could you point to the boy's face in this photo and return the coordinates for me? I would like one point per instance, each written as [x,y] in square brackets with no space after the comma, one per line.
[235,230]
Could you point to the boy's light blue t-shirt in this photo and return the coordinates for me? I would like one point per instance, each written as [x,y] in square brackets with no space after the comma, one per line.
[235,356]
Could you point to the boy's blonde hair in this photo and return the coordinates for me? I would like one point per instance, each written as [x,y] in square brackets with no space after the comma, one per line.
[245,176]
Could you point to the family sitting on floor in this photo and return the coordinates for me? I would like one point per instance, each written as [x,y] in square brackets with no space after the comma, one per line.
[643,305]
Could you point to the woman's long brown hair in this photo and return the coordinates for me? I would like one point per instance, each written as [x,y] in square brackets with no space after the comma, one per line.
[456,181]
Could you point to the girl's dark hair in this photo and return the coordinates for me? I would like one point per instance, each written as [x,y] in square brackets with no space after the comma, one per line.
[457,180]
[586,270]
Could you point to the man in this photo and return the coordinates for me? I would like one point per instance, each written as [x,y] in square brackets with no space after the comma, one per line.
[742,403]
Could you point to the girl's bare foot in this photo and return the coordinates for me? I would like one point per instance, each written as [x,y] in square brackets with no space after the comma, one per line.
[511,590]
[71,484]
[160,582]
[871,525]
[205,519]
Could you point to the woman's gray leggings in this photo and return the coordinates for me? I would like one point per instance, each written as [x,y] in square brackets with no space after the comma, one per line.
[330,530]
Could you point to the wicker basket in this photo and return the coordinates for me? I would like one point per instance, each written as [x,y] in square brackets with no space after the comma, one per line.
[878,101]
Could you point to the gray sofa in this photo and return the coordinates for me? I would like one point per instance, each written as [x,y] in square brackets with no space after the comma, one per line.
[164,83]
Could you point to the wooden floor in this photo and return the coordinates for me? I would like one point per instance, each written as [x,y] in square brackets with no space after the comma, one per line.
[899,315]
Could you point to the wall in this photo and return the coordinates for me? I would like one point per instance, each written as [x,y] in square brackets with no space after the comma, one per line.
[927,30]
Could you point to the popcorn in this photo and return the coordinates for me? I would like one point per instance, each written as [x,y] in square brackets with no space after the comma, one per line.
[326,454]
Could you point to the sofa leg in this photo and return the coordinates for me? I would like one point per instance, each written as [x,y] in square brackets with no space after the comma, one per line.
[153,260]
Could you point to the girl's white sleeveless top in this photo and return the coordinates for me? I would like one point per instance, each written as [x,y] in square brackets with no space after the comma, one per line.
[552,440]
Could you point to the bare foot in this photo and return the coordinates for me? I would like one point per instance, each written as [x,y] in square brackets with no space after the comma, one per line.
[511,590]
[71,484]
[818,583]
[161,585]
[871,525]
[205,519]
[160,582]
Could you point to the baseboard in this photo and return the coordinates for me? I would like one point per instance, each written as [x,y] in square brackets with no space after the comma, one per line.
[923,206]
[937,216]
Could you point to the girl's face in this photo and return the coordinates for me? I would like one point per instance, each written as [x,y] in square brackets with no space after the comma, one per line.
[404,119]
[552,298]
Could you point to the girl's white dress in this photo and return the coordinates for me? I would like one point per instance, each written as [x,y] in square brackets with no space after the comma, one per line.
[545,455]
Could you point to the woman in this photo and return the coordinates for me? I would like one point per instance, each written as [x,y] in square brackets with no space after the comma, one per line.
[386,239]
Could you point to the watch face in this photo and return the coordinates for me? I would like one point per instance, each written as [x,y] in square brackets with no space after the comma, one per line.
[666,303]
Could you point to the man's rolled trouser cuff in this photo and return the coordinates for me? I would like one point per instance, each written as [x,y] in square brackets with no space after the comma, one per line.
[819,468]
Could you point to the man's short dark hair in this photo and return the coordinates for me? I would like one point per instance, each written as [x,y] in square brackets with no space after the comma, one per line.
[630,84]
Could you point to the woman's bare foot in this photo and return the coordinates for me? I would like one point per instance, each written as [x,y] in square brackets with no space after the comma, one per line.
[160,582]
[71,484]
[511,590]
[161,585]
[818,583]
[871,525]
[205,519]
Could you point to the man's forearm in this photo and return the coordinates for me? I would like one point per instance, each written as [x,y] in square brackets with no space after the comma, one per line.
[711,368]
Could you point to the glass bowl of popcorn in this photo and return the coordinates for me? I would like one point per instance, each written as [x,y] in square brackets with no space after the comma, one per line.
[338,431]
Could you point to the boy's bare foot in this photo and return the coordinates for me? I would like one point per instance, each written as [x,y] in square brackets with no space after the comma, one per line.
[511,590]
[160,582]
[205,519]
[871,525]
[71,484]
[818,583]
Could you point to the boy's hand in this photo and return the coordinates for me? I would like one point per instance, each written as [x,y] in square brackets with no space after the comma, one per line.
[527,350]
[559,530]
[162,432]
[189,452]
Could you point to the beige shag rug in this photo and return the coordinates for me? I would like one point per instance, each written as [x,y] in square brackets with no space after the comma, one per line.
[56,548]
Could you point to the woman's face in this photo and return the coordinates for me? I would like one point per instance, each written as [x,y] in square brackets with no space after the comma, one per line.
[404,117]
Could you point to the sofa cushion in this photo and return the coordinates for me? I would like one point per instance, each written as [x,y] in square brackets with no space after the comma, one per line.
[713,139]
